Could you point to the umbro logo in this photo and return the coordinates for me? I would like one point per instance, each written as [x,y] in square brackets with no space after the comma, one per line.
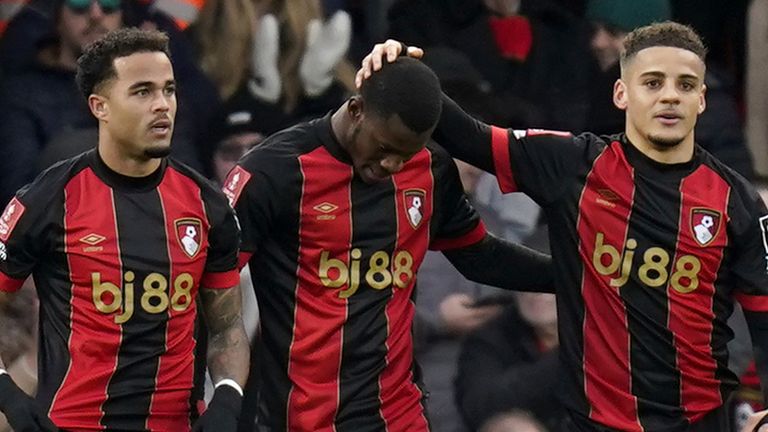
[607,197]
[326,209]
[92,240]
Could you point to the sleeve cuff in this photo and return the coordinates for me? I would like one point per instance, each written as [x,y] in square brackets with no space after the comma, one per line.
[221,280]
[9,284]
[470,238]
[753,303]
[501,160]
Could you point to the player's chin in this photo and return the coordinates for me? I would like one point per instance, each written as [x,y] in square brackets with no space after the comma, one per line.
[370,176]
[666,139]
[158,150]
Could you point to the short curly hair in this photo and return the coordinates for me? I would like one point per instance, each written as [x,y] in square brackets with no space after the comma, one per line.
[97,63]
[663,34]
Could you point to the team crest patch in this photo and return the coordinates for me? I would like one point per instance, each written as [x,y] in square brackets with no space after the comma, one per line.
[705,224]
[414,205]
[235,183]
[10,217]
[189,234]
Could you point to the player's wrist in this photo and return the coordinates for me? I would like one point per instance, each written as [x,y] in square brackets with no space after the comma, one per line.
[226,397]
[230,383]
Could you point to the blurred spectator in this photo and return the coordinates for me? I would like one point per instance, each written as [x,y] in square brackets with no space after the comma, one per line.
[534,54]
[18,341]
[611,20]
[296,67]
[718,129]
[756,89]
[513,421]
[518,352]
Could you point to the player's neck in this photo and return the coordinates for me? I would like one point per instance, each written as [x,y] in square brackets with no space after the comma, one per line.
[680,153]
[123,164]
[340,126]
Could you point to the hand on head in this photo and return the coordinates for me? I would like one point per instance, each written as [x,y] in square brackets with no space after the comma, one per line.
[388,50]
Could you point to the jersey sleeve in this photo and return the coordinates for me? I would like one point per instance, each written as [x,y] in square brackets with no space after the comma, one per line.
[251,190]
[457,224]
[535,161]
[750,263]
[26,230]
[221,269]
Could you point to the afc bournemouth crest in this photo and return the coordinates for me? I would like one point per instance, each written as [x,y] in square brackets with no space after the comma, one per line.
[705,224]
[190,235]
[414,205]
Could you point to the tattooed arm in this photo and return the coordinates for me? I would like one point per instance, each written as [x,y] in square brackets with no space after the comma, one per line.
[228,349]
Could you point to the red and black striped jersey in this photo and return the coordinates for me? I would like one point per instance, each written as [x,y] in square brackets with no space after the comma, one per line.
[117,262]
[334,262]
[649,258]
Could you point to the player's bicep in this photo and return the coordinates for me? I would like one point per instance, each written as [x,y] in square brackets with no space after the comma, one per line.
[750,264]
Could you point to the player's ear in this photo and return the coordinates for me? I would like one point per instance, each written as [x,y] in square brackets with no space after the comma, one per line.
[620,94]
[355,108]
[99,107]
[703,99]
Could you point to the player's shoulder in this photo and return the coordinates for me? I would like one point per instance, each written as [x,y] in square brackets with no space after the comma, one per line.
[743,192]
[283,147]
[208,189]
[54,178]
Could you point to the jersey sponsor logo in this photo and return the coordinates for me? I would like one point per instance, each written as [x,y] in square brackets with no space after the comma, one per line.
[189,235]
[10,217]
[3,252]
[383,271]
[92,240]
[536,132]
[414,203]
[653,271]
[764,228]
[325,208]
[705,225]
[235,183]
[109,298]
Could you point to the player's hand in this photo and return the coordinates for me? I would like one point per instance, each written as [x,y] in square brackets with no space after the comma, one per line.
[23,413]
[222,413]
[757,422]
[388,50]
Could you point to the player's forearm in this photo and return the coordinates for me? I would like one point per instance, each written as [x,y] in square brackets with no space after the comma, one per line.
[464,137]
[228,348]
[229,354]
[503,264]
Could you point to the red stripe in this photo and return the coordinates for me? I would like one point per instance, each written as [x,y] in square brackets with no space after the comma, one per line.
[223,280]
[690,313]
[181,201]
[243,259]
[320,313]
[606,336]
[753,303]
[94,338]
[401,407]
[9,284]
[473,236]
[501,160]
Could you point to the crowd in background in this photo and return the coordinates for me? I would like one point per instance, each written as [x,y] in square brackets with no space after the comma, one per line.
[248,68]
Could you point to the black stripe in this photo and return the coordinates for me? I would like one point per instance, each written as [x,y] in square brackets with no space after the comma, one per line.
[55,305]
[374,229]
[655,214]
[143,251]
